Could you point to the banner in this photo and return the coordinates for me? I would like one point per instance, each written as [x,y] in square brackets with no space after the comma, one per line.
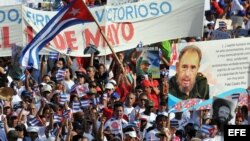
[225,63]
[125,25]
[119,2]
[10,28]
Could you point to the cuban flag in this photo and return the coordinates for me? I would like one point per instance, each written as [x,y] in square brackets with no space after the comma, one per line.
[60,75]
[34,121]
[53,55]
[73,88]
[63,98]
[74,13]
[207,129]
[235,96]
[85,103]
[67,113]
[76,107]
[57,118]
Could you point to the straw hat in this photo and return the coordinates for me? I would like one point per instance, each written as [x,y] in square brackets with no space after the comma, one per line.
[6,93]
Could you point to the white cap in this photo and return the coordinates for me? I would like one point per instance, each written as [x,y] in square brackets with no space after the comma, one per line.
[32,129]
[112,81]
[47,88]
[131,134]
[109,86]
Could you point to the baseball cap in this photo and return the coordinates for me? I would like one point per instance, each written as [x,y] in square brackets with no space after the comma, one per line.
[109,86]
[145,62]
[32,129]
[146,83]
[46,88]
[26,93]
[115,95]
[131,134]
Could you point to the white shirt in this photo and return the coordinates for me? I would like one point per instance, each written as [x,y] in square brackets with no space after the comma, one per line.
[150,136]
[128,110]
[68,84]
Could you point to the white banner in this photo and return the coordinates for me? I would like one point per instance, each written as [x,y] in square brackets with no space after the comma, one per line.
[119,2]
[10,28]
[225,63]
[126,25]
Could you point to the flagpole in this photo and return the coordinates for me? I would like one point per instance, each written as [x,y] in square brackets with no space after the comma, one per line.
[105,38]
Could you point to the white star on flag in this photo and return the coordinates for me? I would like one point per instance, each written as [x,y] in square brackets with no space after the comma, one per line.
[74,11]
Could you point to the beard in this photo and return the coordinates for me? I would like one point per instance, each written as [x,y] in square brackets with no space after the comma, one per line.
[186,89]
[222,121]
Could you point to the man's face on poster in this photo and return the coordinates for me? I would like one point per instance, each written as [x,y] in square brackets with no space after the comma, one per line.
[187,69]
[145,67]
[223,113]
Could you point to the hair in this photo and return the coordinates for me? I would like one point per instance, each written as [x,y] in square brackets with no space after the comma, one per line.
[244,110]
[161,117]
[216,106]
[92,67]
[143,94]
[70,71]
[117,104]
[191,48]
[12,135]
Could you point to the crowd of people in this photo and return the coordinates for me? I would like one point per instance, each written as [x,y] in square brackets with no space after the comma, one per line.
[99,99]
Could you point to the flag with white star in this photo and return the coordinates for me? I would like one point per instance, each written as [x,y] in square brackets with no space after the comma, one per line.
[74,13]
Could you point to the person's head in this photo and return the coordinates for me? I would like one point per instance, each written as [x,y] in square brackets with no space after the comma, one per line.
[91,71]
[80,138]
[161,122]
[101,68]
[187,68]
[33,132]
[20,128]
[118,110]
[81,77]
[46,78]
[130,99]
[32,109]
[145,65]
[109,88]
[120,55]
[113,82]
[244,111]
[163,106]
[147,86]
[149,107]
[142,100]
[239,119]
[130,136]
[221,111]
[68,73]
[60,63]
[12,135]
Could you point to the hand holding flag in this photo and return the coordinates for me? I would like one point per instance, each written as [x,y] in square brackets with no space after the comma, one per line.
[74,13]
